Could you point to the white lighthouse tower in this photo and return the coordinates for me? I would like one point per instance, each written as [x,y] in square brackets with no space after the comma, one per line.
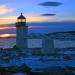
[21,32]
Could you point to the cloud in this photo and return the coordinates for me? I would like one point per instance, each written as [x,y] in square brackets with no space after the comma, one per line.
[7,20]
[5,9]
[50,3]
[7,35]
[6,27]
[48,14]
[13,19]
[43,18]
[67,19]
[37,19]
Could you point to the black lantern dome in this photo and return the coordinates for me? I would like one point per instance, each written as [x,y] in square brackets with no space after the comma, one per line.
[21,18]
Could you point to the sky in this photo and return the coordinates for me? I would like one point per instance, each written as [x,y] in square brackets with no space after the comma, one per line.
[37,10]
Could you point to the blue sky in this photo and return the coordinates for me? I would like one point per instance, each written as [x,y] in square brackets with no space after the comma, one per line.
[32,8]
[10,9]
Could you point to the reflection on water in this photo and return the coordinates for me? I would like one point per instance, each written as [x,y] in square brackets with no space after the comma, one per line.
[7,42]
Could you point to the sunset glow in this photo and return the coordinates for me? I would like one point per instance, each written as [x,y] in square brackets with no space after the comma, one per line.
[8,27]
[33,11]
[7,35]
[13,19]
[7,20]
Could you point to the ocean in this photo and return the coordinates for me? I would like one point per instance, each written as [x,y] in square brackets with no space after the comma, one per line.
[46,27]
[7,42]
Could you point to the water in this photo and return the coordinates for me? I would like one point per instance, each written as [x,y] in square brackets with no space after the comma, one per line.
[7,42]
[36,28]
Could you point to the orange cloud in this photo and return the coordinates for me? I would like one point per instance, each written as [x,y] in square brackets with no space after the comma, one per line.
[7,20]
[7,27]
[5,9]
[37,19]
[13,19]
[7,35]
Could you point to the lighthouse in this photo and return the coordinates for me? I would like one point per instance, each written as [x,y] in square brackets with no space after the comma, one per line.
[21,32]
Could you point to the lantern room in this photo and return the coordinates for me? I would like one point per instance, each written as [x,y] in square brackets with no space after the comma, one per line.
[21,18]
